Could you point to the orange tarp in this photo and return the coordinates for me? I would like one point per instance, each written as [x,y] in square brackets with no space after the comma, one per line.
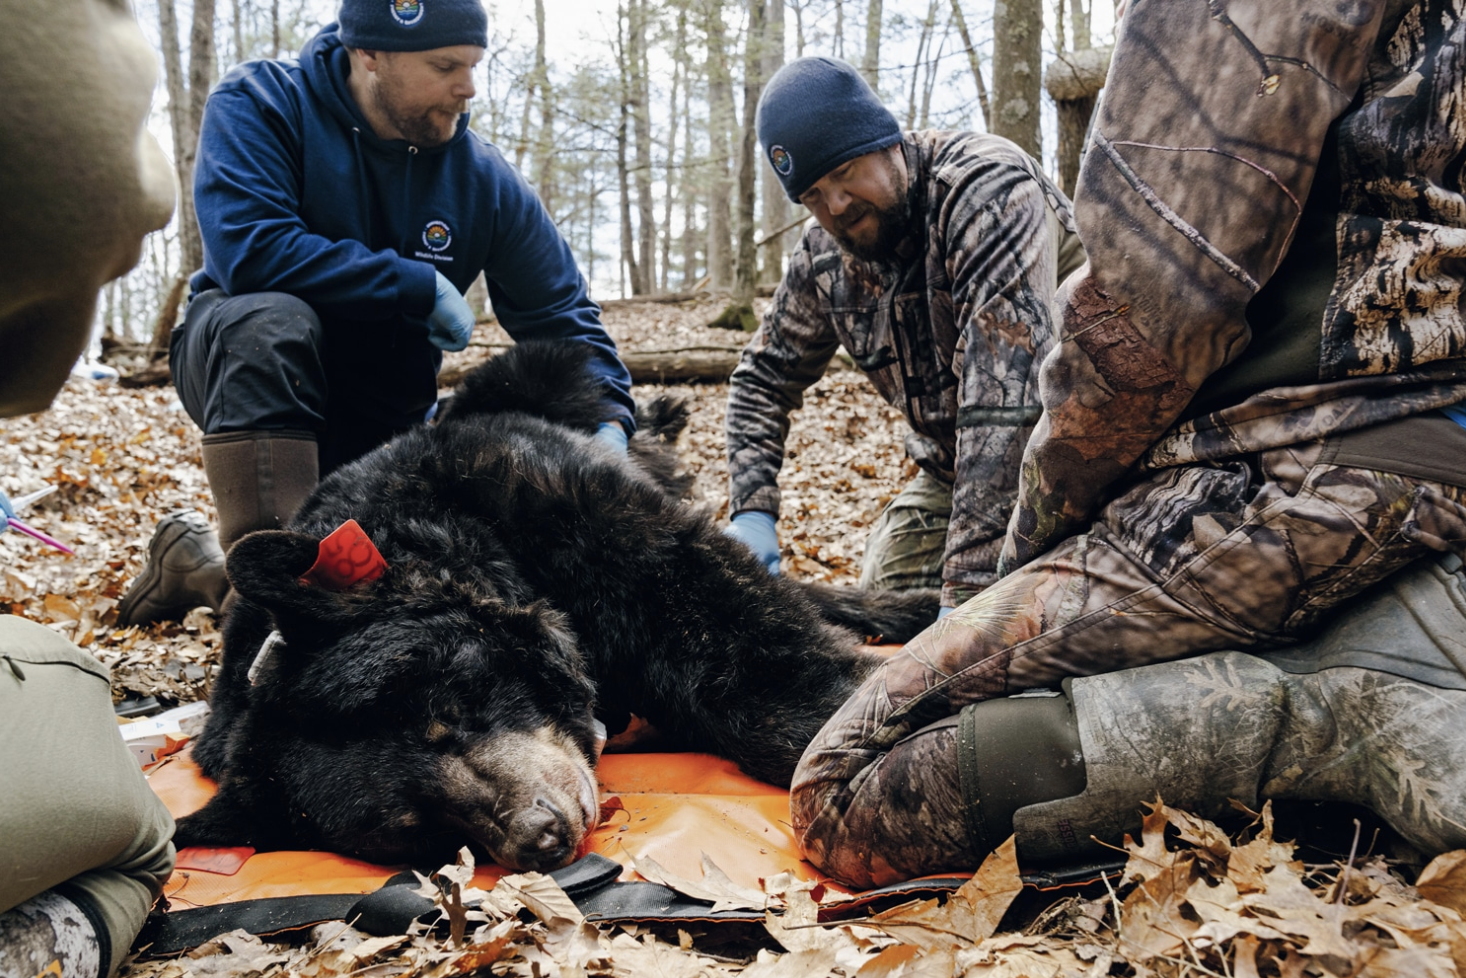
[675,808]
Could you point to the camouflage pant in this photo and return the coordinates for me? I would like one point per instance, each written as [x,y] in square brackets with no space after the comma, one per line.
[907,546]
[1245,553]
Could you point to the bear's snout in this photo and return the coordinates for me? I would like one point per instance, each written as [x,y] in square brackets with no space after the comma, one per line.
[528,798]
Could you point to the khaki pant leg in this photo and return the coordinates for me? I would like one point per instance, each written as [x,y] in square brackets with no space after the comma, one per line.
[74,807]
[908,544]
[1246,553]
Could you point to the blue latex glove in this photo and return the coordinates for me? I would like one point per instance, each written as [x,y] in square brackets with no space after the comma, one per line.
[450,324]
[613,436]
[944,611]
[7,510]
[755,530]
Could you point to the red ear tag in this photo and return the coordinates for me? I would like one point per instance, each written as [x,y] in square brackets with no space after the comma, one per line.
[346,557]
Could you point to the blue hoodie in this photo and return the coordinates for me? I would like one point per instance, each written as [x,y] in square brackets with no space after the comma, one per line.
[296,194]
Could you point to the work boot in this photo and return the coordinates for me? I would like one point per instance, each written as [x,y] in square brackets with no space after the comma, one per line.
[185,570]
[258,480]
[1371,712]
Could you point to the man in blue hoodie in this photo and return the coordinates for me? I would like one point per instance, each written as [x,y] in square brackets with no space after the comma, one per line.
[345,207]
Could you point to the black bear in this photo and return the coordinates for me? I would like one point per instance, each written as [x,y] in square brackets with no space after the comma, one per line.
[535,580]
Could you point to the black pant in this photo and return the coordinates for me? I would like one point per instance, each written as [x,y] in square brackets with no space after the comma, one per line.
[268,362]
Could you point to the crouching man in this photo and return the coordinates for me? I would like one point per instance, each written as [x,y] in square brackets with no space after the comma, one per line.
[345,206]
[934,263]
[1243,433]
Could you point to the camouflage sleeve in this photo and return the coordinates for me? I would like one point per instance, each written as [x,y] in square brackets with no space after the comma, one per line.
[791,349]
[1201,155]
[1002,264]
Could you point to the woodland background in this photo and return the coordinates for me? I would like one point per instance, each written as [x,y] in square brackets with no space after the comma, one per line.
[633,119]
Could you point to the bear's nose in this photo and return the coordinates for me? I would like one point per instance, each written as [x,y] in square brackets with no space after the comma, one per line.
[553,835]
[539,838]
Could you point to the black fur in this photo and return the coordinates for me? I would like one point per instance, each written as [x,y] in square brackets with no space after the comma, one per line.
[536,580]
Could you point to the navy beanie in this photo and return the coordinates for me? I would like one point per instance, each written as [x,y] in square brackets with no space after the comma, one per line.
[413,25]
[816,113]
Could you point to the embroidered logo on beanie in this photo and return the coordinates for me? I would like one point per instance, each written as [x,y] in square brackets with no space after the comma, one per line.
[782,162]
[408,12]
[437,235]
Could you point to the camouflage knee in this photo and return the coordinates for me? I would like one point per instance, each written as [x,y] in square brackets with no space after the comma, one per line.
[908,544]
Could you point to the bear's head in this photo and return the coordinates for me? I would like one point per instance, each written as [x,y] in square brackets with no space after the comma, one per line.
[409,716]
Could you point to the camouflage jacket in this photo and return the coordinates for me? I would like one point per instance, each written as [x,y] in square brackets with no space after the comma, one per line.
[1216,120]
[952,335]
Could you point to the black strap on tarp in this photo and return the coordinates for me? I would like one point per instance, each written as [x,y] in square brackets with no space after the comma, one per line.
[589,882]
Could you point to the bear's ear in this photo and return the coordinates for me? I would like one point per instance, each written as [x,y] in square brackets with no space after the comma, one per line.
[266,567]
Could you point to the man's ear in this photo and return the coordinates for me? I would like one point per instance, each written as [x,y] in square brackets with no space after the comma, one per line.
[369,59]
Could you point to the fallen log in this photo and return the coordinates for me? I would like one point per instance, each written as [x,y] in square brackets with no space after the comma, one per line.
[683,365]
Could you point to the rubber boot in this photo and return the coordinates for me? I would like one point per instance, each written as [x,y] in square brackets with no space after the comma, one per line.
[55,935]
[258,480]
[1229,725]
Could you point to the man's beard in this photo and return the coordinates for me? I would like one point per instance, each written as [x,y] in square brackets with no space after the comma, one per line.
[425,129]
[893,223]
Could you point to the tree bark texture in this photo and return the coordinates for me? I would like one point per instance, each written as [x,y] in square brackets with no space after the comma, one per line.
[1017,76]
[776,202]
[748,161]
[646,218]
[972,63]
[1073,79]
[628,243]
[720,148]
[870,61]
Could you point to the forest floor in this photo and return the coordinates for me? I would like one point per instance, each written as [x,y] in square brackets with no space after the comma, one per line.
[1191,901]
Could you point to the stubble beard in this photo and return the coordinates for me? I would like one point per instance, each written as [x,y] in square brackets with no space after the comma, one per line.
[425,129]
[893,223]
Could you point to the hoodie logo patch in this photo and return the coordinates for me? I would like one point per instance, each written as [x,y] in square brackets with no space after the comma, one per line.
[407,12]
[437,236]
[782,162]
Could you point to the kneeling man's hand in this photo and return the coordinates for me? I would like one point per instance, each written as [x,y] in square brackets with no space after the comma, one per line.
[613,436]
[755,530]
[450,324]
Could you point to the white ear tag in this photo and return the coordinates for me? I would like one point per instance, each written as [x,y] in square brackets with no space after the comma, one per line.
[269,645]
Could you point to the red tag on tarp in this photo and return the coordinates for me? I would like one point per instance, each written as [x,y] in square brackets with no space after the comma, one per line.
[346,557]
[225,862]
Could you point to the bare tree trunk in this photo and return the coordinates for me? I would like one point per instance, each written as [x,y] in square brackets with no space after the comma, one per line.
[720,149]
[931,76]
[642,124]
[870,61]
[274,28]
[628,244]
[776,202]
[109,312]
[689,191]
[747,268]
[1017,72]
[679,66]
[185,114]
[972,62]
[923,47]
[1079,24]
[1074,81]
[534,82]
[238,31]
[798,29]
[840,28]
